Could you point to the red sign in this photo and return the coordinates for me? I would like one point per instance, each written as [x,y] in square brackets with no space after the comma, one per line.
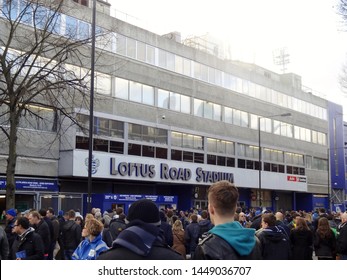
[292,178]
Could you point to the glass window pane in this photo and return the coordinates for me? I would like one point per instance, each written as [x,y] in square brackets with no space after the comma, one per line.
[217,112]
[212,145]
[170,57]
[148,95]
[131,48]
[176,139]
[185,104]
[175,101]
[163,98]
[82,143]
[162,58]
[228,115]
[198,158]
[122,88]
[198,107]
[150,55]
[121,44]
[103,83]
[135,92]
[100,145]
[134,149]
[176,155]
[148,151]
[161,153]
[208,110]
[116,147]
[141,51]
[188,156]
[187,67]
[188,140]
[178,64]
[135,131]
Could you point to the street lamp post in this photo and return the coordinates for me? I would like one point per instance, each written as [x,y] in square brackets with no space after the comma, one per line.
[91,110]
[260,153]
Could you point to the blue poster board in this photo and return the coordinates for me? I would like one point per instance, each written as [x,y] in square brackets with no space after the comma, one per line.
[32,185]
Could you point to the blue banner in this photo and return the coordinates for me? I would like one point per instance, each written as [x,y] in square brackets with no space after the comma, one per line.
[33,185]
[135,197]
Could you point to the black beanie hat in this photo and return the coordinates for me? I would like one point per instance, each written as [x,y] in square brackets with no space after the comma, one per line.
[144,210]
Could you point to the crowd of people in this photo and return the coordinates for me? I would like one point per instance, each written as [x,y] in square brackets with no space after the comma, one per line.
[223,231]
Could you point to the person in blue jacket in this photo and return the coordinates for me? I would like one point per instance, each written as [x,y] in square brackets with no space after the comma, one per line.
[92,245]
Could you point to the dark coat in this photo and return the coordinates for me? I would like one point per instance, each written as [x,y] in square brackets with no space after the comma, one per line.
[31,242]
[11,236]
[341,243]
[325,247]
[71,235]
[274,244]
[43,230]
[214,247]
[140,241]
[191,236]
[301,244]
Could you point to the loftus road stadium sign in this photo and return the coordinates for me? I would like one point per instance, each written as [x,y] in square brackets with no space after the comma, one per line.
[166,172]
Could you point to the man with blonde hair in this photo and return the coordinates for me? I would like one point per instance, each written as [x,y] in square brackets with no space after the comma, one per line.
[227,240]
[341,242]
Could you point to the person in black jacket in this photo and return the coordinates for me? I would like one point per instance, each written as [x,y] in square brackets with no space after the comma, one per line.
[71,235]
[41,227]
[301,240]
[142,238]
[274,243]
[166,228]
[28,244]
[341,242]
[227,240]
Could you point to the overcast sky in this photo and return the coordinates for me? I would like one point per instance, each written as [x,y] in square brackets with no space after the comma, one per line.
[310,30]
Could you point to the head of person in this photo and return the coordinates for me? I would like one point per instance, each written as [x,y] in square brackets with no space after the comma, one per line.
[144,210]
[222,201]
[11,214]
[301,224]
[79,220]
[71,214]
[344,217]
[268,220]
[43,212]
[177,226]
[279,216]
[242,217]
[89,216]
[34,217]
[92,228]
[204,214]
[21,225]
[50,212]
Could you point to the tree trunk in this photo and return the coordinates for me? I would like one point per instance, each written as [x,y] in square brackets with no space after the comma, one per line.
[11,162]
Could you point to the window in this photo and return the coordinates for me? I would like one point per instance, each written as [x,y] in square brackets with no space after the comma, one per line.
[116,147]
[163,98]
[134,149]
[100,145]
[122,88]
[82,143]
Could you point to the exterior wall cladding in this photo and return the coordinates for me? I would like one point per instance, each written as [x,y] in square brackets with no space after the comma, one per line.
[221,107]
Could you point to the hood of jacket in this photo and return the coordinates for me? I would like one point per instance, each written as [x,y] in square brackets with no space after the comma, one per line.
[240,238]
[274,234]
[69,224]
[204,222]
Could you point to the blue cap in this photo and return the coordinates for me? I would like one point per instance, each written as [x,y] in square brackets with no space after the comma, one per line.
[11,212]
[60,213]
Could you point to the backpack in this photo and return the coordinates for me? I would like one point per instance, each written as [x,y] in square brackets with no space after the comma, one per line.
[115,228]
